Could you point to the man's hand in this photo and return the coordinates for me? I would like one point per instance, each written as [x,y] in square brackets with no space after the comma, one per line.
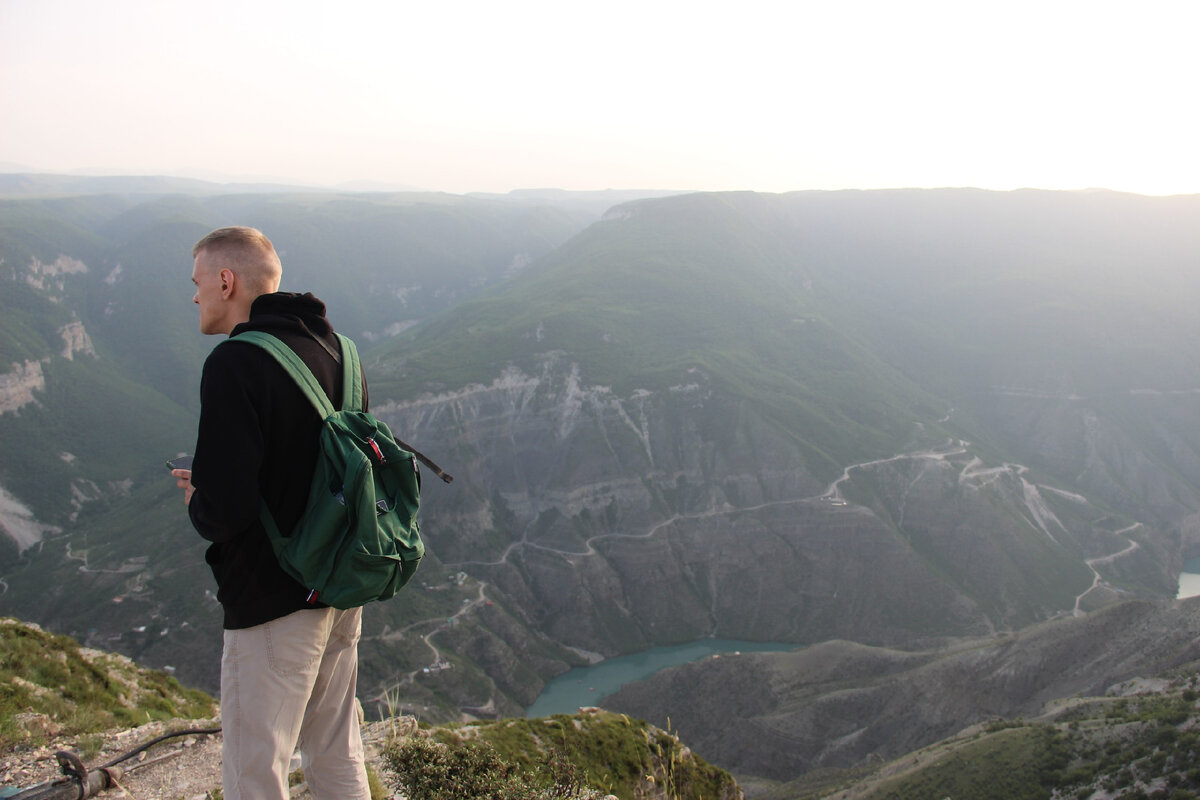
[185,483]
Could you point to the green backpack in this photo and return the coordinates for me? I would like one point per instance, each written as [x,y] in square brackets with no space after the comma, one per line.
[358,539]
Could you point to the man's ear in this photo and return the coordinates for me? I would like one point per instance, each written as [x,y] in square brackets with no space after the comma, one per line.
[228,279]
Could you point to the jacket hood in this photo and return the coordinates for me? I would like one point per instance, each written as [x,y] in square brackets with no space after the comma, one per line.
[289,311]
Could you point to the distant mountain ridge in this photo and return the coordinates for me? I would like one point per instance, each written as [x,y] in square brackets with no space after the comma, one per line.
[35,184]
[23,183]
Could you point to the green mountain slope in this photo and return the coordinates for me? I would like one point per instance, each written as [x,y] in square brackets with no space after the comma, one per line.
[965,289]
[660,288]
[1136,741]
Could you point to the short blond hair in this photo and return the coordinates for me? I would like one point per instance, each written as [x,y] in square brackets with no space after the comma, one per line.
[246,251]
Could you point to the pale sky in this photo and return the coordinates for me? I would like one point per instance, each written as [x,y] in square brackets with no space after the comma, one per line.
[460,95]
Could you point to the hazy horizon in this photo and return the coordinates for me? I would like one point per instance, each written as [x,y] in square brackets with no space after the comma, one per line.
[370,185]
[475,97]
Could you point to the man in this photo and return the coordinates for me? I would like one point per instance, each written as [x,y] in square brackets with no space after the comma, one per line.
[289,670]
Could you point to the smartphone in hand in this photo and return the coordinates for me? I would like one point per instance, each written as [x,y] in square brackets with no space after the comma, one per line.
[182,462]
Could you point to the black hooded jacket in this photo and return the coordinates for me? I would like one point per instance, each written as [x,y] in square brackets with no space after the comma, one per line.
[258,440]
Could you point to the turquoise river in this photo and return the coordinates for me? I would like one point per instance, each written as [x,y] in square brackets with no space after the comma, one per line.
[587,686]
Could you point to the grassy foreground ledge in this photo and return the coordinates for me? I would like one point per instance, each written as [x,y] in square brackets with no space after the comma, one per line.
[50,686]
[589,755]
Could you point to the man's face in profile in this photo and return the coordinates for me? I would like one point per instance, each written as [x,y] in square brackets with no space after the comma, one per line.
[206,275]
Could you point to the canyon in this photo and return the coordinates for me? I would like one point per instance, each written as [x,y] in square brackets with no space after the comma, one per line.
[903,429]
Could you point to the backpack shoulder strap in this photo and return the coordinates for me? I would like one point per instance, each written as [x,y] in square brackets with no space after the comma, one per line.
[294,366]
[352,391]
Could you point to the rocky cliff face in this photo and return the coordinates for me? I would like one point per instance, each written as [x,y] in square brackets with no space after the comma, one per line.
[19,525]
[75,340]
[1139,449]
[614,523]
[51,278]
[18,385]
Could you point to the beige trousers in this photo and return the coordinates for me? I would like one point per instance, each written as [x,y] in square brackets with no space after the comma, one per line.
[293,680]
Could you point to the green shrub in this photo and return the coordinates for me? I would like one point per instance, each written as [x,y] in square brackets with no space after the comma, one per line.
[429,770]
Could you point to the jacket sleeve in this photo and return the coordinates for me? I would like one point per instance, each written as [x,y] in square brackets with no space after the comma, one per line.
[229,448]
